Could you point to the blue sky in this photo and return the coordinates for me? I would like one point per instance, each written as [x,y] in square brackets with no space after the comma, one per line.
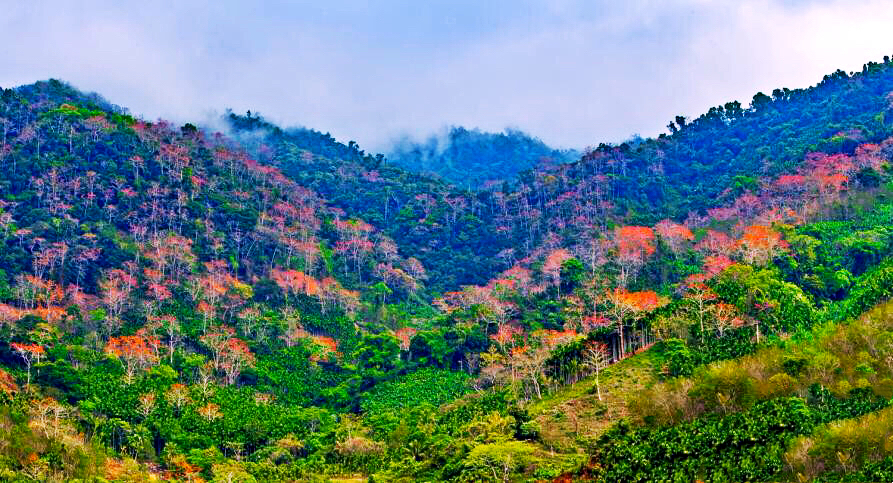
[572,72]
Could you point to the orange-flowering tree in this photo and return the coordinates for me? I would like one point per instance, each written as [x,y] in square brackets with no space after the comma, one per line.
[30,354]
[759,244]
[625,305]
[7,383]
[508,338]
[216,339]
[177,396]
[210,412]
[404,335]
[327,346]
[725,317]
[293,282]
[10,315]
[236,356]
[136,352]
[632,245]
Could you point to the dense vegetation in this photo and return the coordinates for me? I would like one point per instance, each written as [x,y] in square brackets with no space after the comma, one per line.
[270,304]
[471,158]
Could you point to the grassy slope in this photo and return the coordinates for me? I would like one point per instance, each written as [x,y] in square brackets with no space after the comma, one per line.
[574,414]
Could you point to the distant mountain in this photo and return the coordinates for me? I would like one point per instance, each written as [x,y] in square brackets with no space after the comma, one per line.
[470,158]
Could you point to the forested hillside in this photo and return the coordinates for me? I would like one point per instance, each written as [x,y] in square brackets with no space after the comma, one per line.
[269,304]
[471,158]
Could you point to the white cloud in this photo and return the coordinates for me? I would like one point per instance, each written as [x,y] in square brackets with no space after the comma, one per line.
[572,72]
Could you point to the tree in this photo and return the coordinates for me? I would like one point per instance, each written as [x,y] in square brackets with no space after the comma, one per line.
[674,235]
[726,317]
[137,352]
[759,244]
[217,339]
[629,305]
[170,327]
[715,264]
[147,404]
[294,282]
[717,243]
[177,396]
[632,246]
[552,266]
[597,357]
[210,412]
[404,335]
[30,353]
[700,295]
[236,356]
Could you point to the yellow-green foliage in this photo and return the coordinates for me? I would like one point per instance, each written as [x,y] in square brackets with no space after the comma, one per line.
[837,357]
[842,445]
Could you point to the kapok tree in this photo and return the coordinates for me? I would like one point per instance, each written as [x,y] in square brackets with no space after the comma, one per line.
[210,412]
[354,240]
[508,339]
[404,335]
[30,354]
[170,327]
[177,396]
[715,264]
[294,282]
[716,243]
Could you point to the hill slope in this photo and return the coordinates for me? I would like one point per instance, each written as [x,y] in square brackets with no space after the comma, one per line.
[272,304]
[471,158]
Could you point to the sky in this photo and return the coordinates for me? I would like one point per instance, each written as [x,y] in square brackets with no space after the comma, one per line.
[571,72]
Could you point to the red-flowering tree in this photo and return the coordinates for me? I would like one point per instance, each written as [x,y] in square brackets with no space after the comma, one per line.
[354,242]
[293,282]
[552,266]
[715,264]
[674,235]
[216,339]
[725,317]
[170,327]
[717,243]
